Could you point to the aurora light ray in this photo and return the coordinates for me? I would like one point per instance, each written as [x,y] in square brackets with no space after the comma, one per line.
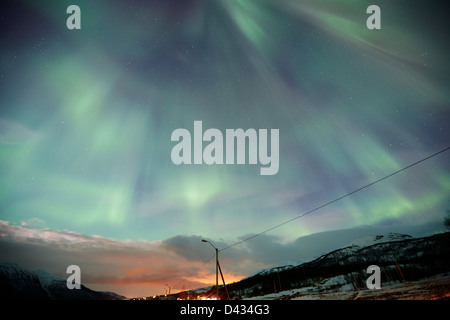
[86,115]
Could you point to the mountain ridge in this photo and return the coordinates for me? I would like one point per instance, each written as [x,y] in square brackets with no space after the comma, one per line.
[417,257]
[17,282]
[345,269]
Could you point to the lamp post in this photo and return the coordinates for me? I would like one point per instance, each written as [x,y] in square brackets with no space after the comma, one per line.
[217,268]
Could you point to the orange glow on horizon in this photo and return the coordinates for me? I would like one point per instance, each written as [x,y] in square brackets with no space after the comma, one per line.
[210,280]
[135,271]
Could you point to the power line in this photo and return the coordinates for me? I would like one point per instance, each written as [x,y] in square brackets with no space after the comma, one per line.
[322,206]
[198,268]
[335,200]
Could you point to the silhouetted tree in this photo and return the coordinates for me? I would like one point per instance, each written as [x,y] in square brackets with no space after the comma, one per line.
[447,220]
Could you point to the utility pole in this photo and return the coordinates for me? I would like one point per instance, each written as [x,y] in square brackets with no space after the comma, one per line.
[217,268]
[401,273]
[223,280]
[217,273]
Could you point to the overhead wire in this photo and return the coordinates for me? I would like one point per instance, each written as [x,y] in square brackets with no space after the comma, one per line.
[326,204]
[336,200]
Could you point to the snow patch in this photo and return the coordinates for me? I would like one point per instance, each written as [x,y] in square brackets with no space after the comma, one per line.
[375,239]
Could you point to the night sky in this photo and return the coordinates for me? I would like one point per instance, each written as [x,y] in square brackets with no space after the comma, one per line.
[86,118]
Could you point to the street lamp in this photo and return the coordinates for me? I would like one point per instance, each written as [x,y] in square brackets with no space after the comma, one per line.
[217,268]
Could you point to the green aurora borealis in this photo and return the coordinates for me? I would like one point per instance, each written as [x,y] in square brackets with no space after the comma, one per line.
[86,115]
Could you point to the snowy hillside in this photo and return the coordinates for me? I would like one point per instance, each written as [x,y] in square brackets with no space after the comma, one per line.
[375,239]
[343,272]
[17,282]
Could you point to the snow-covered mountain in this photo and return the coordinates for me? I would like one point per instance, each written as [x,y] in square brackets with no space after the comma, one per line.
[17,282]
[399,256]
[371,239]
[353,246]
